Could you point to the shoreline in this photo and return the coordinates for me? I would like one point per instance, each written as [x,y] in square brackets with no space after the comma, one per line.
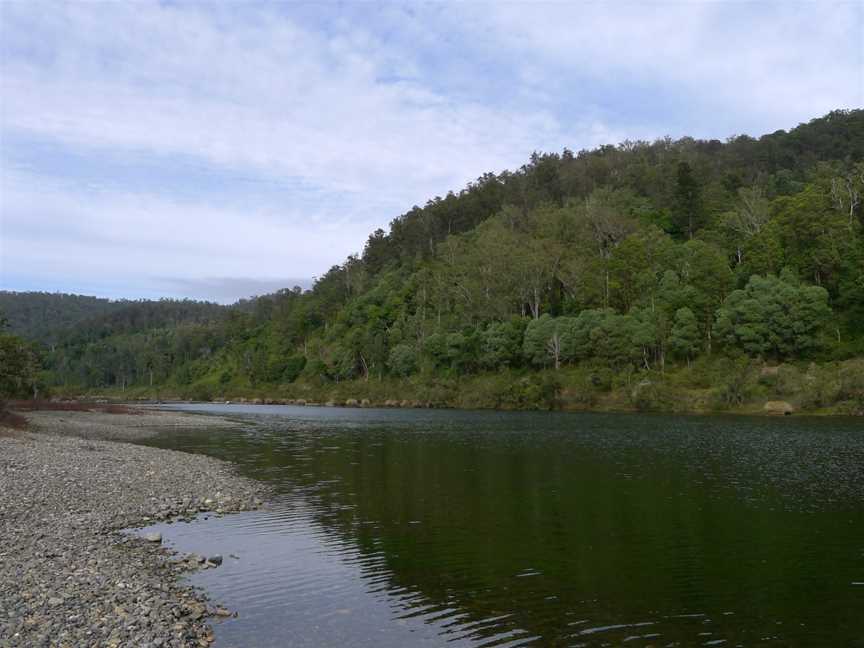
[719,387]
[770,408]
[72,484]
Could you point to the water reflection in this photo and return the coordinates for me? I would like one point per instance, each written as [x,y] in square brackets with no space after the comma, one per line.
[402,528]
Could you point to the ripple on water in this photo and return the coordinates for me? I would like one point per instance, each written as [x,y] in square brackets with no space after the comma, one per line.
[481,529]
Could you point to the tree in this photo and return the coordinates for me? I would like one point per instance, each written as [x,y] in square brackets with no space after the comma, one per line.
[774,316]
[816,237]
[750,215]
[403,360]
[637,265]
[704,269]
[546,339]
[608,226]
[684,337]
[617,340]
[501,343]
[688,213]
[19,367]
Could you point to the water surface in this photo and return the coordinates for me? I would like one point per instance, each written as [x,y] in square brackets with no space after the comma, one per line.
[429,528]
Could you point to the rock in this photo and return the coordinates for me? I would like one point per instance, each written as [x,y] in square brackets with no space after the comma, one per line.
[779,407]
[222,612]
[79,579]
[365,403]
[351,402]
[391,403]
[216,559]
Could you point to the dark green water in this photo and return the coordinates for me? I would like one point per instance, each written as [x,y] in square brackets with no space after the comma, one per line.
[429,528]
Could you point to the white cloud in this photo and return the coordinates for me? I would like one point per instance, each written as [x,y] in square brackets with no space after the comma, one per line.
[263,95]
[58,230]
[382,108]
[768,64]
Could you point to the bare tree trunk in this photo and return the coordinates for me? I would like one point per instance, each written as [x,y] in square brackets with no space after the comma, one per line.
[553,346]
[365,368]
[606,288]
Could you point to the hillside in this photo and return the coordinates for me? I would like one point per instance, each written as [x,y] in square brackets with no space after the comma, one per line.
[684,266]
[40,316]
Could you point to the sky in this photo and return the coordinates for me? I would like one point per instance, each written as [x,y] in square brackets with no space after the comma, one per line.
[216,150]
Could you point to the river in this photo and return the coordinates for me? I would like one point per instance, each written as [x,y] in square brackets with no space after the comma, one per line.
[400,528]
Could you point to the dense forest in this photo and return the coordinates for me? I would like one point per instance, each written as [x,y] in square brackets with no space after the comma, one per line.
[670,274]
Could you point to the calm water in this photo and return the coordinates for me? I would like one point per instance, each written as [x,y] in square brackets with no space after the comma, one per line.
[400,528]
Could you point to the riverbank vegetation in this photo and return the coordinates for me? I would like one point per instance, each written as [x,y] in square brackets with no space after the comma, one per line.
[666,275]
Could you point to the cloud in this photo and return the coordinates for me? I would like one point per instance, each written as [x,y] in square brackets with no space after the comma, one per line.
[713,66]
[83,233]
[143,141]
[264,96]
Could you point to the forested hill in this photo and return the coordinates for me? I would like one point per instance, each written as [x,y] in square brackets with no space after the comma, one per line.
[40,316]
[49,318]
[679,264]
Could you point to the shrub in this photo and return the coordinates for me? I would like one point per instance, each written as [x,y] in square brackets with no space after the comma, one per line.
[294,366]
[735,384]
[403,360]
[773,316]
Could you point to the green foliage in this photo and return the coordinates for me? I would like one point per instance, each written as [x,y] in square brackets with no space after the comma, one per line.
[654,395]
[403,360]
[688,207]
[774,317]
[19,368]
[610,263]
[735,382]
[543,339]
[501,344]
[292,367]
[684,340]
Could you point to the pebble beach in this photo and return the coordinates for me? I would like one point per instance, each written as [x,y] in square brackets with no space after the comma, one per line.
[70,575]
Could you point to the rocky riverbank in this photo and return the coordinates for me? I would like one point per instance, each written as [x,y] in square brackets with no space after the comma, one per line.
[68,576]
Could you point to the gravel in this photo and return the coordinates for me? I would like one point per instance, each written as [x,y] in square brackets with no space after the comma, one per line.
[68,575]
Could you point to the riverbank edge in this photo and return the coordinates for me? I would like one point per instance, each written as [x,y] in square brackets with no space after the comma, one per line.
[709,386]
[75,483]
[613,406]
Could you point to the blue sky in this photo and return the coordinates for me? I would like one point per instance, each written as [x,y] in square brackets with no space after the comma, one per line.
[216,150]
